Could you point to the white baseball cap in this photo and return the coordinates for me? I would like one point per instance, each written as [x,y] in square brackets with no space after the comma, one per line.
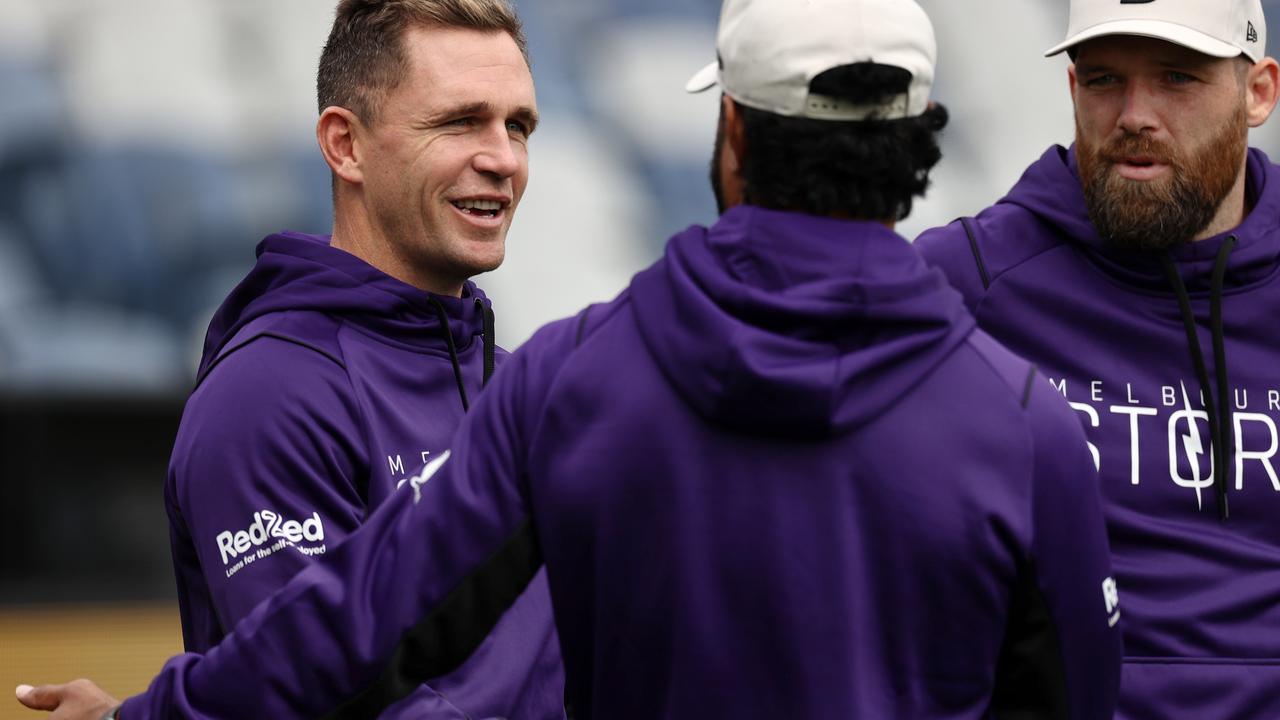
[1219,28]
[770,50]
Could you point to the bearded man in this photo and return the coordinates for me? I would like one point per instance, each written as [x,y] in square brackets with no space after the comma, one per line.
[1138,269]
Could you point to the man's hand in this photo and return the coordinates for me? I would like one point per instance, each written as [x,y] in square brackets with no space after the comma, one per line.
[77,700]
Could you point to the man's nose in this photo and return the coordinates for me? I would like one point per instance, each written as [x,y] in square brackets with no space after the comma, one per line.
[497,154]
[1138,112]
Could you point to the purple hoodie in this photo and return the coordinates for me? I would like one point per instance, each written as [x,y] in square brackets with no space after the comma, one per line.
[781,476]
[325,384]
[1202,593]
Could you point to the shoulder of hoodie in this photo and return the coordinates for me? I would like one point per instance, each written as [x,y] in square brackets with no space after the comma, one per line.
[1047,416]
[288,357]
[309,330]
[1015,373]
[541,358]
[558,339]
[265,382]
[976,252]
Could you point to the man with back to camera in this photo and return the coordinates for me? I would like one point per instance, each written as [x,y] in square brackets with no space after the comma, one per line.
[780,476]
[1138,270]
[340,367]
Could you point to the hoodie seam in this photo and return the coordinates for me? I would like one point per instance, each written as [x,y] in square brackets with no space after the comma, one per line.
[420,349]
[977,253]
[1193,660]
[1165,295]
[997,276]
[586,329]
[1030,386]
[364,275]
[340,360]
[228,352]
[366,475]
[1147,297]
[1020,396]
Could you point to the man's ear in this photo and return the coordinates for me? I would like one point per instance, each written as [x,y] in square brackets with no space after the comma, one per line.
[1071,81]
[1261,90]
[336,132]
[734,131]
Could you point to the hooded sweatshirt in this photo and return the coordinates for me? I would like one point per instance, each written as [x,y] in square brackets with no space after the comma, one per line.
[780,476]
[1187,455]
[324,384]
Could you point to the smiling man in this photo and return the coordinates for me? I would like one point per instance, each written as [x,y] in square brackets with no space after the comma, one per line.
[341,366]
[1138,269]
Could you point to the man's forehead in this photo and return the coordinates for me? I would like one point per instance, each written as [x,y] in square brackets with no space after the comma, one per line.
[1140,49]
[460,66]
[446,51]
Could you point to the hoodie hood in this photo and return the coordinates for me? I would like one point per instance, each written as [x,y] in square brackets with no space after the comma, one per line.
[298,272]
[1051,190]
[787,324]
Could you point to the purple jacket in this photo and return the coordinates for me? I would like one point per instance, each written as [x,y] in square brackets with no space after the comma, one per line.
[1201,593]
[323,386]
[781,476]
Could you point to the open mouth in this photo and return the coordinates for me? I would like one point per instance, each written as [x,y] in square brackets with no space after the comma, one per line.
[480,208]
[1140,167]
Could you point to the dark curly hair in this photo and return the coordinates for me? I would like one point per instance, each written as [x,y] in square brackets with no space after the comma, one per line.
[870,169]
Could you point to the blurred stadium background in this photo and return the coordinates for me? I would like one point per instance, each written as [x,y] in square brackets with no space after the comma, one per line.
[147,145]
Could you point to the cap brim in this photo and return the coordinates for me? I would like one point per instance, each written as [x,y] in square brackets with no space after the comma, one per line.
[1177,34]
[704,79]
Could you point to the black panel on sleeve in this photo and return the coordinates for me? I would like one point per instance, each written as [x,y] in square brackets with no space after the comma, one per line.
[1031,677]
[446,637]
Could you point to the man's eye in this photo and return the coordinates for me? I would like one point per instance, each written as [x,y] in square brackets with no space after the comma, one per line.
[462,121]
[1178,78]
[1099,81]
[517,127]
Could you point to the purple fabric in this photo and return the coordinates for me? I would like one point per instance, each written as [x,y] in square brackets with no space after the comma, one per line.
[1201,596]
[780,476]
[324,384]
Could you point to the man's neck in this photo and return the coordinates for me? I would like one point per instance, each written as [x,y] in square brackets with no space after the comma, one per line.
[889,223]
[358,237]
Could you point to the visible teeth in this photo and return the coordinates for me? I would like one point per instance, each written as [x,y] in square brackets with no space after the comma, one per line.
[489,205]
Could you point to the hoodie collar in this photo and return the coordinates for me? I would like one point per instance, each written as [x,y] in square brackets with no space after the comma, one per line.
[1051,190]
[298,272]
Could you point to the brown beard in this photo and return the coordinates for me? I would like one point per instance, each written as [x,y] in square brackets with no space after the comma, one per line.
[1160,214]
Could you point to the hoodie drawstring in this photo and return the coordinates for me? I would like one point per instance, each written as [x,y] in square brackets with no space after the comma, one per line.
[486,339]
[453,350]
[1221,416]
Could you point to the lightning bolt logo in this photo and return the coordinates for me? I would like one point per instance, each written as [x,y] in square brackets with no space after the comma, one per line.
[1194,449]
[417,481]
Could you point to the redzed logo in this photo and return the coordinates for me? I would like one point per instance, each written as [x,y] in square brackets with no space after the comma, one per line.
[1111,596]
[266,526]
